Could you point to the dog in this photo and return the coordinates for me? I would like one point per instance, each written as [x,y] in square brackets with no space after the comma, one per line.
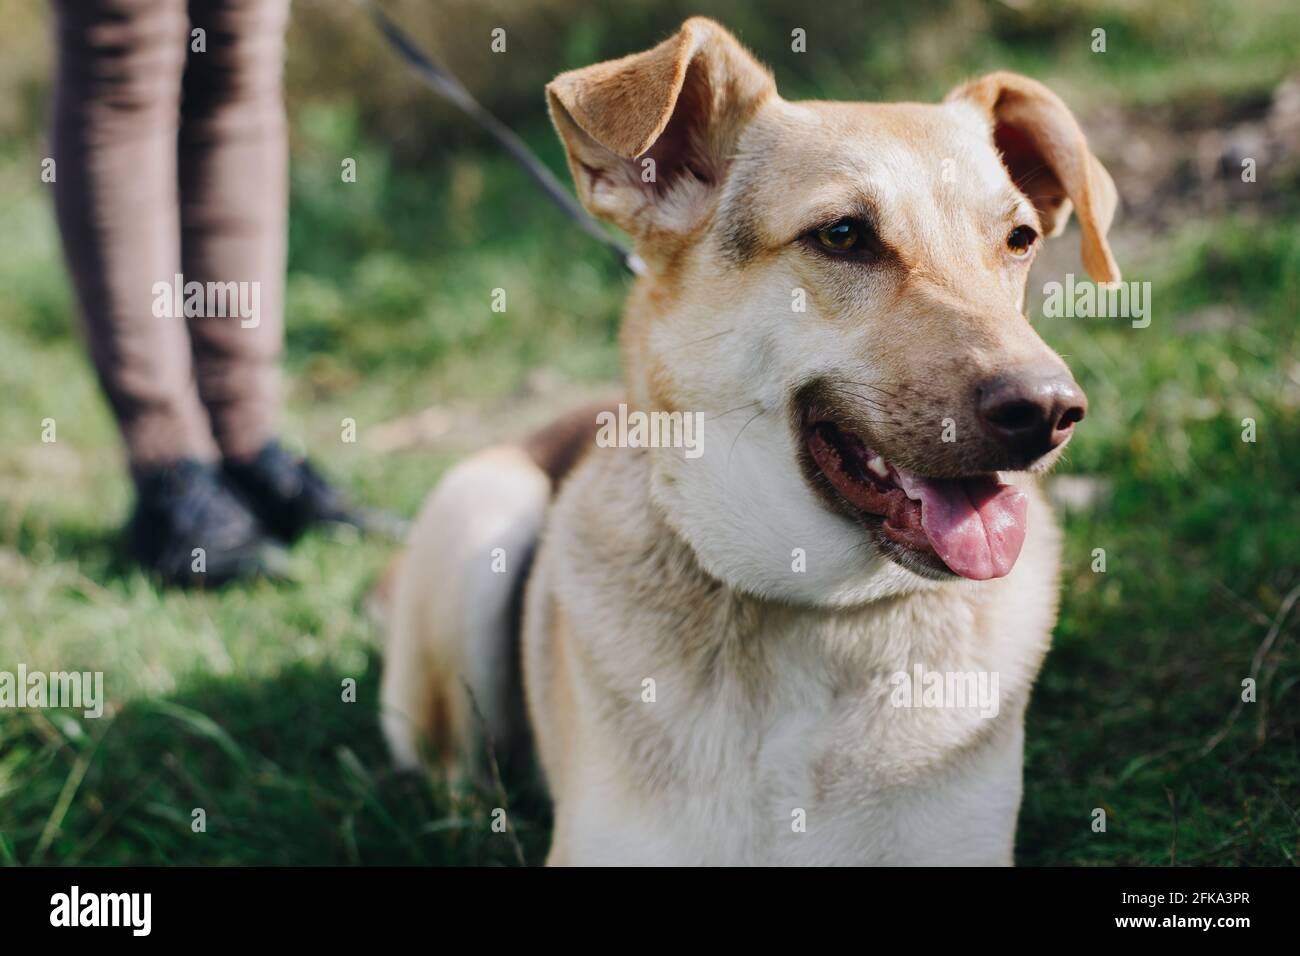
[727,656]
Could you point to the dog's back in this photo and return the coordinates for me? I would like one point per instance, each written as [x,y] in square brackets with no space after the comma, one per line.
[451,603]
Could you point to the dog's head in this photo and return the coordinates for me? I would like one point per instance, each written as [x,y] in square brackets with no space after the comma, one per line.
[839,288]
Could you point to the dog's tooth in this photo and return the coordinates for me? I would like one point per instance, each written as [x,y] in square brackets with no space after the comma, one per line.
[877,464]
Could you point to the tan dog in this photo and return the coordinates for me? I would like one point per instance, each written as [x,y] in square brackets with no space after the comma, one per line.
[758,653]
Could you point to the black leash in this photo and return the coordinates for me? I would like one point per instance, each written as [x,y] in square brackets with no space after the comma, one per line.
[449,88]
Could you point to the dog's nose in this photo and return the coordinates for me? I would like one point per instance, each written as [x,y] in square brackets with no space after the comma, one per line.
[1032,412]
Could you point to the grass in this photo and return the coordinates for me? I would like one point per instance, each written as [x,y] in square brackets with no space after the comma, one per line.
[1199,535]
[233,703]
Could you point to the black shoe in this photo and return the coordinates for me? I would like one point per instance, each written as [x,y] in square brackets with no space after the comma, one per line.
[289,496]
[190,528]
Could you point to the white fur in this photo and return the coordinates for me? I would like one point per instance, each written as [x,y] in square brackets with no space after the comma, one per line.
[814,733]
[452,610]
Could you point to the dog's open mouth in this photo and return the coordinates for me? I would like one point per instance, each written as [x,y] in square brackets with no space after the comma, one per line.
[973,526]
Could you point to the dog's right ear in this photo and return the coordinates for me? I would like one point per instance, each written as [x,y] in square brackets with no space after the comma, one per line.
[649,136]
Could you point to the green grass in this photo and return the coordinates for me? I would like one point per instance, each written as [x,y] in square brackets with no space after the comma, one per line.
[1200,536]
[233,702]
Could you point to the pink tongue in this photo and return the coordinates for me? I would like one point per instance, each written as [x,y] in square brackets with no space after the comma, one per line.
[975,525]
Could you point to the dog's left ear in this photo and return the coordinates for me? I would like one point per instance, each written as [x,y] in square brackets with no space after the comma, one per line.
[650,136]
[1048,158]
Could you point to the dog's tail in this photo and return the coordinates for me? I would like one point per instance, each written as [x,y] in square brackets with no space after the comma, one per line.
[452,680]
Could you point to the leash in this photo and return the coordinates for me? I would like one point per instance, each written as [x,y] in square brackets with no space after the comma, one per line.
[445,84]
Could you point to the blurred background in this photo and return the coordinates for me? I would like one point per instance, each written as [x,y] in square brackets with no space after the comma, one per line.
[231,702]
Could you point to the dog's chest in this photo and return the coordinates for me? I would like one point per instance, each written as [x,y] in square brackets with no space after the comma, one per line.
[836,738]
[705,727]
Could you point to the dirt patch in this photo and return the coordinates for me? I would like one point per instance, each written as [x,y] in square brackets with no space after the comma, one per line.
[1195,159]
[465,426]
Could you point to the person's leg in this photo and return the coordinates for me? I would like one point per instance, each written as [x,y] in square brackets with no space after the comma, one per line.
[116,121]
[234,210]
[116,115]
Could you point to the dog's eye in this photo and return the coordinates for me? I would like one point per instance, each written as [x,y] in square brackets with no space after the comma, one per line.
[846,237]
[839,236]
[1020,240]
